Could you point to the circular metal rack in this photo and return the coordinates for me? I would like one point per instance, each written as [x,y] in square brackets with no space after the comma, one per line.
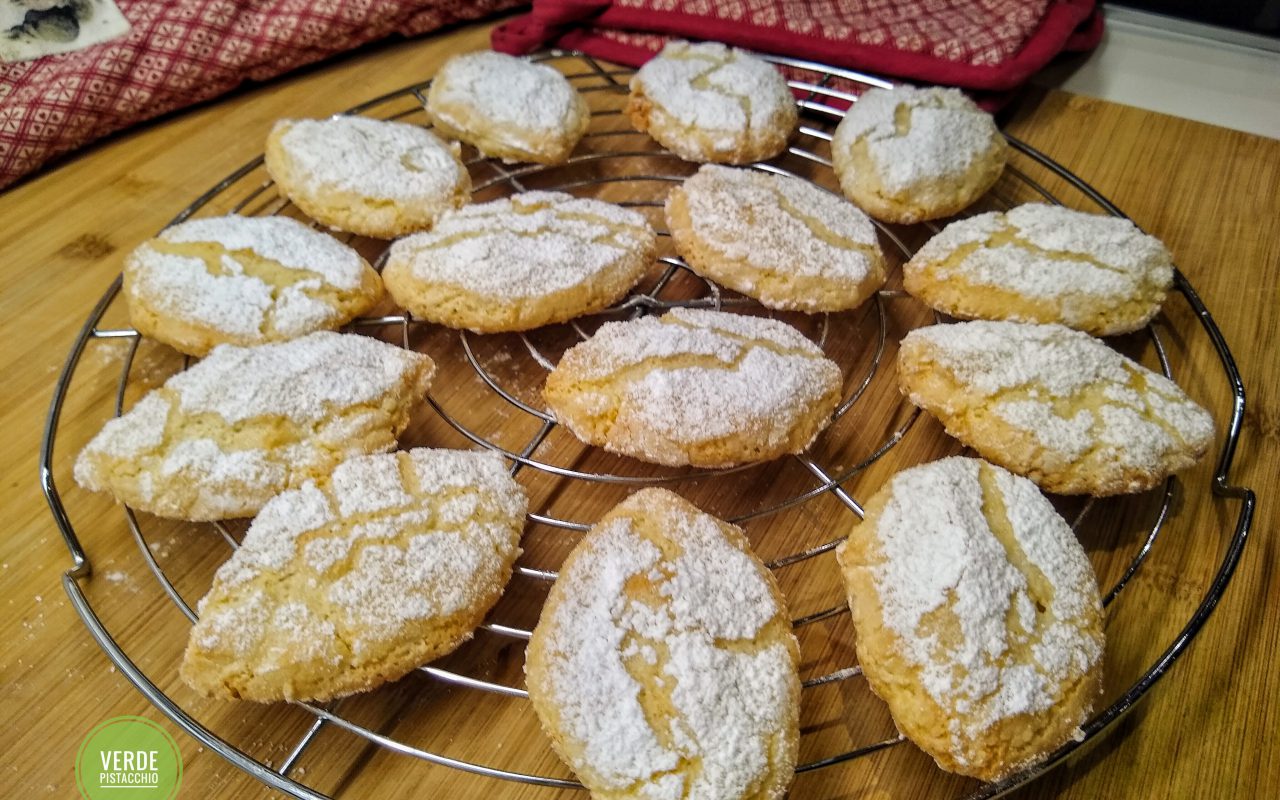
[616,163]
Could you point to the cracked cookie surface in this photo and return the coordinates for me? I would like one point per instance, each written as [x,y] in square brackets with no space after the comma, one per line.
[518,263]
[663,665]
[220,439]
[1054,404]
[709,102]
[1044,263]
[244,280]
[357,578]
[908,155]
[776,238]
[698,387]
[508,107]
[367,176]
[977,615]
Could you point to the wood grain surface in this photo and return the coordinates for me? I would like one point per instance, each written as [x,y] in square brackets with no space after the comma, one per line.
[1207,730]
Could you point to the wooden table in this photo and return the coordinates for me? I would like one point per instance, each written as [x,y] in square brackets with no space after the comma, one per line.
[1208,730]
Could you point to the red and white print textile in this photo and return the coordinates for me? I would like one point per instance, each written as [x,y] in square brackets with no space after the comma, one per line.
[984,45]
[180,53]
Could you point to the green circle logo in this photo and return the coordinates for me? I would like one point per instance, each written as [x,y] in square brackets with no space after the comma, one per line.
[128,758]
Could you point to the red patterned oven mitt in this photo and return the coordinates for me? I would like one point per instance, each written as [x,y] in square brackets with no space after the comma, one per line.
[180,53]
[986,45]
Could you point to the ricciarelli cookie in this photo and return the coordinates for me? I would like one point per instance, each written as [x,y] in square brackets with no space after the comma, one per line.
[222,438]
[1043,263]
[977,616]
[776,238]
[244,280]
[663,665]
[508,107]
[358,577]
[521,262]
[366,176]
[708,102]
[1054,404]
[908,155]
[698,387]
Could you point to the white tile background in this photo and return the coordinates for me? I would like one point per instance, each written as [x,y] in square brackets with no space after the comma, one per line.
[1179,68]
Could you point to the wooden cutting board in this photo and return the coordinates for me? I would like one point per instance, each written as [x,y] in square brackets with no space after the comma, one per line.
[1208,192]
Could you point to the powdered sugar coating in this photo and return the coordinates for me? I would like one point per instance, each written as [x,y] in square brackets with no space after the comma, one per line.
[144,431]
[221,438]
[709,102]
[1083,264]
[302,380]
[1069,436]
[1085,407]
[523,246]
[748,229]
[994,357]
[281,239]
[223,285]
[372,158]
[702,85]
[602,645]
[386,552]
[802,233]
[687,330]
[521,104]
[695,375]
[914,136]
[984,545]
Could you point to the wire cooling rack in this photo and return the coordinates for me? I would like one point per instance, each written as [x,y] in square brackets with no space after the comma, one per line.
[486,395]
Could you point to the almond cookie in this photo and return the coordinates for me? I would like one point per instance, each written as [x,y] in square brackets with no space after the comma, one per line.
[222,438]
[508,107]
[366,176]
[357,578]
[907,155]
[1042,263]
[977,616]
[244,280]
[705,388]
[708,102]
[663,665]
[1054,404]
[776,238]
[521,262]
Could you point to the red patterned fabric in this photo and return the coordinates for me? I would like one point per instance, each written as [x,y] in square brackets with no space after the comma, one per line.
[179,53]
[991,45]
